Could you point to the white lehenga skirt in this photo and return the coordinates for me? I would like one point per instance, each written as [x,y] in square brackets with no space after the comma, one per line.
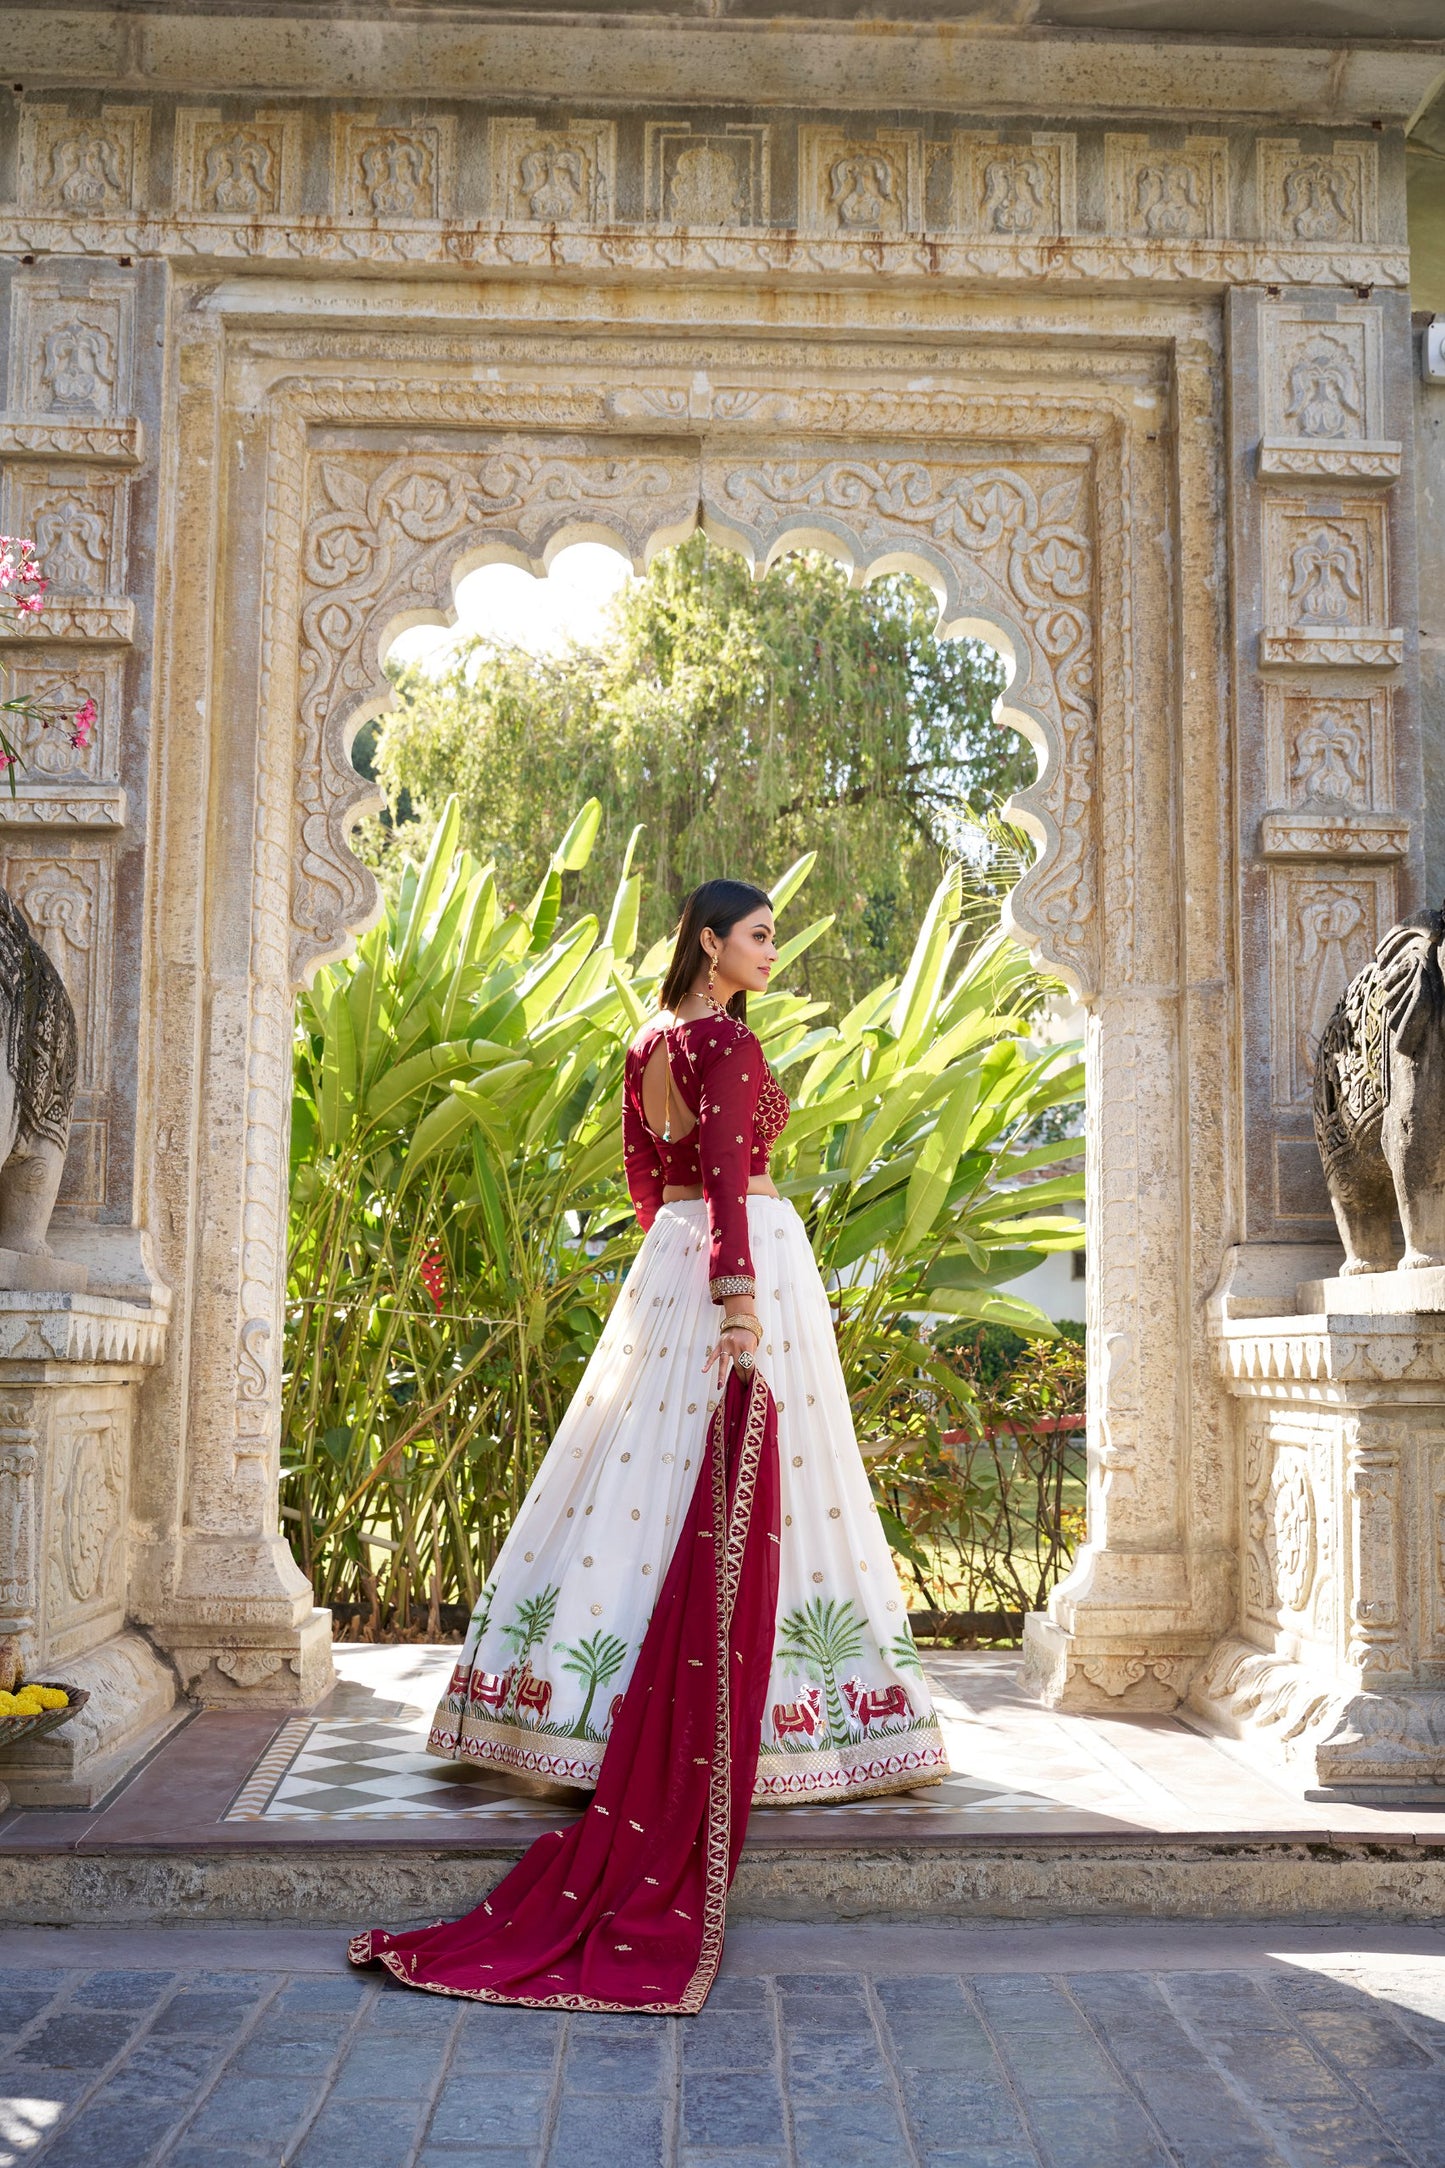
[558,1627]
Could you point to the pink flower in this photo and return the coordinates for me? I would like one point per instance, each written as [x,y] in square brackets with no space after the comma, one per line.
[29,605]
[82,723]
[7,760]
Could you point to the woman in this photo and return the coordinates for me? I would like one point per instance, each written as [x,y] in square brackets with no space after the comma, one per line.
[556,1632]
[695,1609]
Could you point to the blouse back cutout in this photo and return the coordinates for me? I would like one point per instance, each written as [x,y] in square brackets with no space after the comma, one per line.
[719,1075]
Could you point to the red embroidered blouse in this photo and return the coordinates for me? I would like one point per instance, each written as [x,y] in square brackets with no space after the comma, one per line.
[720,1076]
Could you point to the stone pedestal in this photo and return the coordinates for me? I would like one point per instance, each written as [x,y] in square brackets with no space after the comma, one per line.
[1335,1669]
[41,1275]
[70,1365]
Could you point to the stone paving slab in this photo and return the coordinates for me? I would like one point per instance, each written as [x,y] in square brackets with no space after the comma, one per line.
[1134,2046]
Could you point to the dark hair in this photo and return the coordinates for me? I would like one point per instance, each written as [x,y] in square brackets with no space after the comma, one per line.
[717,905]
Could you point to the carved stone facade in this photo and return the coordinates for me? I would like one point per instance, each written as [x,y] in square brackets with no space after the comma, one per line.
[286,365]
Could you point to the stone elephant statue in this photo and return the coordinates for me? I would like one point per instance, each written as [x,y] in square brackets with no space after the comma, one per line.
[1379,1102]
[38,1066]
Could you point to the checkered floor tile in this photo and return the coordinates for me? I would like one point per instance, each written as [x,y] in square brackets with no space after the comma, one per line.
[360,1768]
[377,1769]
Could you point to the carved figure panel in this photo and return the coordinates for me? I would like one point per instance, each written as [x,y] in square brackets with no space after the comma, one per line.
[1022,189]
[77,520]
[89,167]
[86,1520]
[1329,751]
[1322,197]
[1326,582]
[67,895]
[860,186]
[70,351]
[237,169]
[391,173]
[711,177]
[1323,929]
[561,176]
[1179,193]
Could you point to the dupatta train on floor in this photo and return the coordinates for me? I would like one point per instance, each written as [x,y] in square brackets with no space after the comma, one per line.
[624,1910]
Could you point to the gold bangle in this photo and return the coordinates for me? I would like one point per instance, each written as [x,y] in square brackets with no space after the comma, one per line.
[743,1323]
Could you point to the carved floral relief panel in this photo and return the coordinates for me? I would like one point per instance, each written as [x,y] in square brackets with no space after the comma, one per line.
[247,168]
[1322,392]
[1330,775]
[70,352]
[1324,925]
[1318,196]
[1287,1536]
[860,184]
[1021,190]
[85,1535]
[1178,192]
[708,177]
[62,772]
[82,165]
[561,176]
[1326,578]
[384,172]
[77,520]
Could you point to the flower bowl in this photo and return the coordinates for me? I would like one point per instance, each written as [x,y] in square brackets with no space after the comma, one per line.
[14,1728]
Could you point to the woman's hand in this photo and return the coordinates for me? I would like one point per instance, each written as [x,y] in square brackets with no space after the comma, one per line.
[739,1337]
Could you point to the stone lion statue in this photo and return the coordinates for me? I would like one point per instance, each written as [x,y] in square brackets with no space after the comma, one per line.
[38,1066]
[1379,1102]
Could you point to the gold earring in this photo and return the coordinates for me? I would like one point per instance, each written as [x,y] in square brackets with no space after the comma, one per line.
[711,976]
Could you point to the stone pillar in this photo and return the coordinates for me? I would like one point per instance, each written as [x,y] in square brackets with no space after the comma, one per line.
[70,1366]
[1336,1668]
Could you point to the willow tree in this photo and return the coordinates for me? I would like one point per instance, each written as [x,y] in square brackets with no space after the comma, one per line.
[738,723]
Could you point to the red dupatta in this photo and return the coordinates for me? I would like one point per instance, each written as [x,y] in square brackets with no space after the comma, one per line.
[624,1910]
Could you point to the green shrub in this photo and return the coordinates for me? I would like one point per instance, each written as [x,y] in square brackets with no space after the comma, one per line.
[459,1222]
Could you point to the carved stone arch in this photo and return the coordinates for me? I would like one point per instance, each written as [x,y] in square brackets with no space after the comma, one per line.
[1007,549]
[386,539]
[1006,546]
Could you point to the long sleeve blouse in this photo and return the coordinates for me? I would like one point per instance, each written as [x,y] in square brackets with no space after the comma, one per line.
[720,1077]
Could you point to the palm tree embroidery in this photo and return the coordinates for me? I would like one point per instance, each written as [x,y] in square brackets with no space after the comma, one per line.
[597,1660]
[532,1624]
[902,1653]
[821,1635]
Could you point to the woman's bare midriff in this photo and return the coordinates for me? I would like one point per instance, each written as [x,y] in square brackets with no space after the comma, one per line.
[759,1185]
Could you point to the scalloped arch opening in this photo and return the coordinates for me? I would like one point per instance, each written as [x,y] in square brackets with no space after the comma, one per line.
[516,612]
[965,543]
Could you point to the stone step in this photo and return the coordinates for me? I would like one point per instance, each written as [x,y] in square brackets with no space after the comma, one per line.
[348,1884]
